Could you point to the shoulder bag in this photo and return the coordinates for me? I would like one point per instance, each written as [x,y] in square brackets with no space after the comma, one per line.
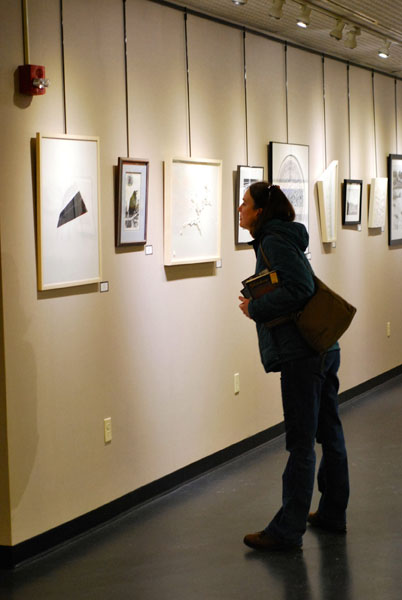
[324,318]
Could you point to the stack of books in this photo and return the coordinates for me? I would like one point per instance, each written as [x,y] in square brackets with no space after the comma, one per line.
[257,285]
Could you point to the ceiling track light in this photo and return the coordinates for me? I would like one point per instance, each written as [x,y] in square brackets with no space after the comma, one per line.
[239,2]
[276,9]
[337,32]
[383,52]
[304,19]
[350,41]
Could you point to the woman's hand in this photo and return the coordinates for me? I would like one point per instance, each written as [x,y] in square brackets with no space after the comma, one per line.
[244,302]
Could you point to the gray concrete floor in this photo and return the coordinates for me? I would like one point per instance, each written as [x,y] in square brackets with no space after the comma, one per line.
[188,544]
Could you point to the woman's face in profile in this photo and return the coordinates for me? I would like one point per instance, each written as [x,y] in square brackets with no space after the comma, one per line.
[248,212]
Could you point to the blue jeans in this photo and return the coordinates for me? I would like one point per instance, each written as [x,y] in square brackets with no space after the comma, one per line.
[309,395]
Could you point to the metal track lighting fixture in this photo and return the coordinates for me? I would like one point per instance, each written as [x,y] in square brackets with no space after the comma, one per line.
[276,9]
[304,19]
[337,32]
[350,41]
[383,52]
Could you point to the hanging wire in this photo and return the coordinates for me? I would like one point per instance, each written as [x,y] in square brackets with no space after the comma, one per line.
[286,93]
[63,66]
[25,31]
[325,115]
[188,83]
[245,91]
[349,132]
[126,74]
[375,129]
[396,114]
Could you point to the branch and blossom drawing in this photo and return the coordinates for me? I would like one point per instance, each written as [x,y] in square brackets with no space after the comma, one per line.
[199,204]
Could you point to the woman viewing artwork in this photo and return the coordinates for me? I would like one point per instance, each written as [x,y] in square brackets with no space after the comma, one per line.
[309,381]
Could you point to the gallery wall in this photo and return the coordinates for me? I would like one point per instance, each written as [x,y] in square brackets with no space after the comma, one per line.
[158,352]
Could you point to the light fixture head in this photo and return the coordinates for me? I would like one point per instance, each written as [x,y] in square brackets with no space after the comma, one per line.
[304,19]
[276,9]
[239,2]
[350,41]
[337,32]
[383,52]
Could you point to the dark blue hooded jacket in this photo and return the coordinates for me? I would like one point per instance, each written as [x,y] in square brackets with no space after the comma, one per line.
[284,244]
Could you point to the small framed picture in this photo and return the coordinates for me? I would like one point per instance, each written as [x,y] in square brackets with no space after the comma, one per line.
[132,202]
[352,201]
[245,177]
[394,199]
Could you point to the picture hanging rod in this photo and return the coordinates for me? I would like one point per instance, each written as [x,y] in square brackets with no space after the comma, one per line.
[25,29]
[272,38]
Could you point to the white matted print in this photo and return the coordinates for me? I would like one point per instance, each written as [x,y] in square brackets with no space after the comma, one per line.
[328,201]
[192,216]
[288,166]
[245,177]
[394,199]
[378,202]
[67,211]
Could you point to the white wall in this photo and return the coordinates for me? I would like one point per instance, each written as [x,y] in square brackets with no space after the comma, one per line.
[158,352]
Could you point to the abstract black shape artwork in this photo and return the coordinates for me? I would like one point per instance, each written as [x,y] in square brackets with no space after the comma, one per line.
[74,209]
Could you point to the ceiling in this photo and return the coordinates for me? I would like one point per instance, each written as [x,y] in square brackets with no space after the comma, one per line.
[378,19]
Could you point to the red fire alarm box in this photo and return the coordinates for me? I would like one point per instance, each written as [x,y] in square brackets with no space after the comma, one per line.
[32,80]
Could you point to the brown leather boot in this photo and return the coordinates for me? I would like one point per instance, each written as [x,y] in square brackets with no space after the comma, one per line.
[266,542]
[316,521]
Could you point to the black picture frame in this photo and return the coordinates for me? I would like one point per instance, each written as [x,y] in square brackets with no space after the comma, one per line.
[245,177]
[352,201]
[394,199]
[288,167]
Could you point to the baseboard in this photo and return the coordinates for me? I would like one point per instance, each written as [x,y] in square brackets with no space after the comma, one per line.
[13,556]
[370,384]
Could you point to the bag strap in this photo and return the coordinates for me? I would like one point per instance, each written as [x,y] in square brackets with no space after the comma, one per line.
[264,256]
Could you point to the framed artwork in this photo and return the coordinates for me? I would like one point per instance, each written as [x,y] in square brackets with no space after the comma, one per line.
[378,202]
[394,199]
[352,201]
[245,177]
[192,215]
[68,214]
[288,167]
[327,187]
[132,202]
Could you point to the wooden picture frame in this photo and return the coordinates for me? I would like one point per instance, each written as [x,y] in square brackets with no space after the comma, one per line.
[352,201]
[132,206]
[68,211]
[192,211]
[378,202]
[327,187]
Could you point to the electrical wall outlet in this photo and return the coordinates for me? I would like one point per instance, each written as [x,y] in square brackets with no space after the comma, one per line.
[388,328]
[107,428]
[236,383]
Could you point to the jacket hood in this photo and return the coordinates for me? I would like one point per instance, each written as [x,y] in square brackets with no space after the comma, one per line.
[295,233]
